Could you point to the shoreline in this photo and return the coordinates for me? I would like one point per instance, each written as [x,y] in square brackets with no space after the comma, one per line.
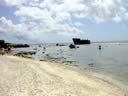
[107,78]
[69,78]
[101,76]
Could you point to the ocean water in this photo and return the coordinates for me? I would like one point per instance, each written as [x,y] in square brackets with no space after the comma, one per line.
[111,61]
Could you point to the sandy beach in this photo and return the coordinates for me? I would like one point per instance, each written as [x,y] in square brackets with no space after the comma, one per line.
[26,77]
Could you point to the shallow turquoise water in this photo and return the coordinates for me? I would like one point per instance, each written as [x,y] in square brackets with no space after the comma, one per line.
[111,60]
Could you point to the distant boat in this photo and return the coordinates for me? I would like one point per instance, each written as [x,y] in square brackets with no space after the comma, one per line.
[78,41]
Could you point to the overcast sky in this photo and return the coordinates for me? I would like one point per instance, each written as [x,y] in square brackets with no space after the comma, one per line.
[61,20]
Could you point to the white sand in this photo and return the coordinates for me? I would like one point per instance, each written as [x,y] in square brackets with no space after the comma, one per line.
[26,77]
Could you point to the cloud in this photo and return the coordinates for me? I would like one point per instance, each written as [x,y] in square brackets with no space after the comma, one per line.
[46,20]
[96,10]
[63,16]
[59,18]
[103,10]
[34,14]
[117,18]
[16,3]
[78,24]
[36,29]
[12,2]
[6,26]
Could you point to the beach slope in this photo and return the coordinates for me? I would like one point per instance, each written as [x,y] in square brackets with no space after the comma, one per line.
[26,77]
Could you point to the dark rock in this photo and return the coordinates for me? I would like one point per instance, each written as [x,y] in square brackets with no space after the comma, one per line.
[91,64]
[42,60]
[27,57]
[72,46]
[20,45]
[76,65]
[47,54]
[25,53]
[34,48]
[44,48]
[39,45]
[57,44]
[67,61]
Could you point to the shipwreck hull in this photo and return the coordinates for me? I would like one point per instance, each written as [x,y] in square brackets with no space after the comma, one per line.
[78,41]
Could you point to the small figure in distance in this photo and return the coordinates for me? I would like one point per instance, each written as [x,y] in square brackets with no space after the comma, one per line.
[99,47]
[9,50]
[44,48]
[3,51]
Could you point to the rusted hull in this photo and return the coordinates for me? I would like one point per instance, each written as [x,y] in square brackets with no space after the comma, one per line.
[77,41]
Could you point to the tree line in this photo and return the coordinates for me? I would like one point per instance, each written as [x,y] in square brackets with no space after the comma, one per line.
[5,45]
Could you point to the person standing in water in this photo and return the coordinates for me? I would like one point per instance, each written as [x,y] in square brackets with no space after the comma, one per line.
[99,47]
[9,50]
[3,51]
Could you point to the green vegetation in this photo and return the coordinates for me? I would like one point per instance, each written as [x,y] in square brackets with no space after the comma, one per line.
[2,42]
[4,45]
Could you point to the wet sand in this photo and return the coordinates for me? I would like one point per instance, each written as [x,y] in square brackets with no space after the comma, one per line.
[26,77]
